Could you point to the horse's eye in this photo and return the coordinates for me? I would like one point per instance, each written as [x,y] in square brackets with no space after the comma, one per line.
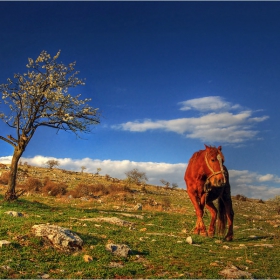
[212,159]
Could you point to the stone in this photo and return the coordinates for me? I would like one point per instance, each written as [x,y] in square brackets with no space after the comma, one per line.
[120,250]
[4,243]
[138,207]
[233,272]
[59,237]
[111,220]
[87,258]
[14,213]
[189,240]
[115,265]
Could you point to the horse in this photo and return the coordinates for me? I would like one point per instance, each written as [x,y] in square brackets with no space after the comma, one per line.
[207,179]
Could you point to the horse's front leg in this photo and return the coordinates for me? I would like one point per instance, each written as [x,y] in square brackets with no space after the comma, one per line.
[213,211]
[199,209]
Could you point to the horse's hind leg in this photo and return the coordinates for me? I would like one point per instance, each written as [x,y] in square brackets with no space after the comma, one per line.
[226,198]
[213,211]
[230,216]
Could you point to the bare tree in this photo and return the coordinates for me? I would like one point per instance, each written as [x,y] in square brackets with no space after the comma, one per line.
[83,168]
[40,98]
[98,170]
[52,163]
[165,183]
[137,177]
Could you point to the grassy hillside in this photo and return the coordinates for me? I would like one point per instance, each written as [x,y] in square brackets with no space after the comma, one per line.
[157,236]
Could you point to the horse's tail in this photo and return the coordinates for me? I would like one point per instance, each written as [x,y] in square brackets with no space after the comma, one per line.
[222,218]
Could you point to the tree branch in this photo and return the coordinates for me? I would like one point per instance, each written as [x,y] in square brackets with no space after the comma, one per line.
[8,141]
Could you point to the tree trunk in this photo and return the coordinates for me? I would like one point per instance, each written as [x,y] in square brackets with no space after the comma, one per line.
[11,193]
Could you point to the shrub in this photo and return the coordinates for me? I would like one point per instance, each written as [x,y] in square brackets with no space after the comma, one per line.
[4,178]
[33,185]
[166,202]
[241,197]
[54,189]
[116,188]
[82,190]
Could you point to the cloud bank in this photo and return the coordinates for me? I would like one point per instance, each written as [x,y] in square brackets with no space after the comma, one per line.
[250,184]
[218,121]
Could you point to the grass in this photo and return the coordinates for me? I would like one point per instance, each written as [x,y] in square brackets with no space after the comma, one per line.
[158,240]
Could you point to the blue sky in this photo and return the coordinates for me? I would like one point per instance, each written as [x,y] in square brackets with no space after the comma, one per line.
[167,77]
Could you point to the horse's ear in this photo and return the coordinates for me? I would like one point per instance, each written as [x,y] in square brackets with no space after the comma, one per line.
[206,147]
[220,148]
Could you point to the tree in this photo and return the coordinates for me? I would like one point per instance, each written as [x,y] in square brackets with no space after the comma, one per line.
[137,177]
[40,98]
[98,170]
[52,163]
[165,183]
[83,168]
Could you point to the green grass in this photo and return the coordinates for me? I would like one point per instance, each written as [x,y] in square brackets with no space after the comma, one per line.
[158,241]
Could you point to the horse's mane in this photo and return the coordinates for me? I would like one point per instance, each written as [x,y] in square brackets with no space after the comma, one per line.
[196,155]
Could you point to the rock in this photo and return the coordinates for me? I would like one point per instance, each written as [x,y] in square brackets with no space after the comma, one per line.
[87,258]
[189,240]
[115,265]
[138,207]
[234,273]
[14,213]
[59,237]
[120,250]
[132,215]
[111,220]
[5,267]
[4,243]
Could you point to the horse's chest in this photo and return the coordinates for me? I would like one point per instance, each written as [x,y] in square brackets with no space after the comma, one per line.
[214,193]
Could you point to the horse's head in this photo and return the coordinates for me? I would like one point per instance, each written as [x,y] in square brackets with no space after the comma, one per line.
[215,172]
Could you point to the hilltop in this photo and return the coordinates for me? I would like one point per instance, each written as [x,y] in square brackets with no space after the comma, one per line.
[157,225]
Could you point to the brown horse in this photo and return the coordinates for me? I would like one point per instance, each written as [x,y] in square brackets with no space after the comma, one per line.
[207,179]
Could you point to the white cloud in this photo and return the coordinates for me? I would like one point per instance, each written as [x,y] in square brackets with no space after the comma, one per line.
[222,127]
[209,103]
[250,184]
[267,177]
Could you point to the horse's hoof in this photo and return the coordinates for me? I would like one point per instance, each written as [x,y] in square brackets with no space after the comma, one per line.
[211,233]
[228,238]
[204,233]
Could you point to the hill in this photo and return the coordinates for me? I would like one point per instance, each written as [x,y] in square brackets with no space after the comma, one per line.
[155,222]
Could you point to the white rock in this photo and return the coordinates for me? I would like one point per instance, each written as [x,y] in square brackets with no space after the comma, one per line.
[189,240]
[120,250]
[61,238]
[138,207]
[14,214]
[4,243]
[234,273]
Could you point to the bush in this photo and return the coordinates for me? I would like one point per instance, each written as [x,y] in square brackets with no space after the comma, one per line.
[4,178]
[54,189]
[33,185]
[241,197]
[82,190]
[166,202]
[116,188]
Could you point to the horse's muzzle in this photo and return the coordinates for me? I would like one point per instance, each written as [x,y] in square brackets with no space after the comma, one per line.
[218,182]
